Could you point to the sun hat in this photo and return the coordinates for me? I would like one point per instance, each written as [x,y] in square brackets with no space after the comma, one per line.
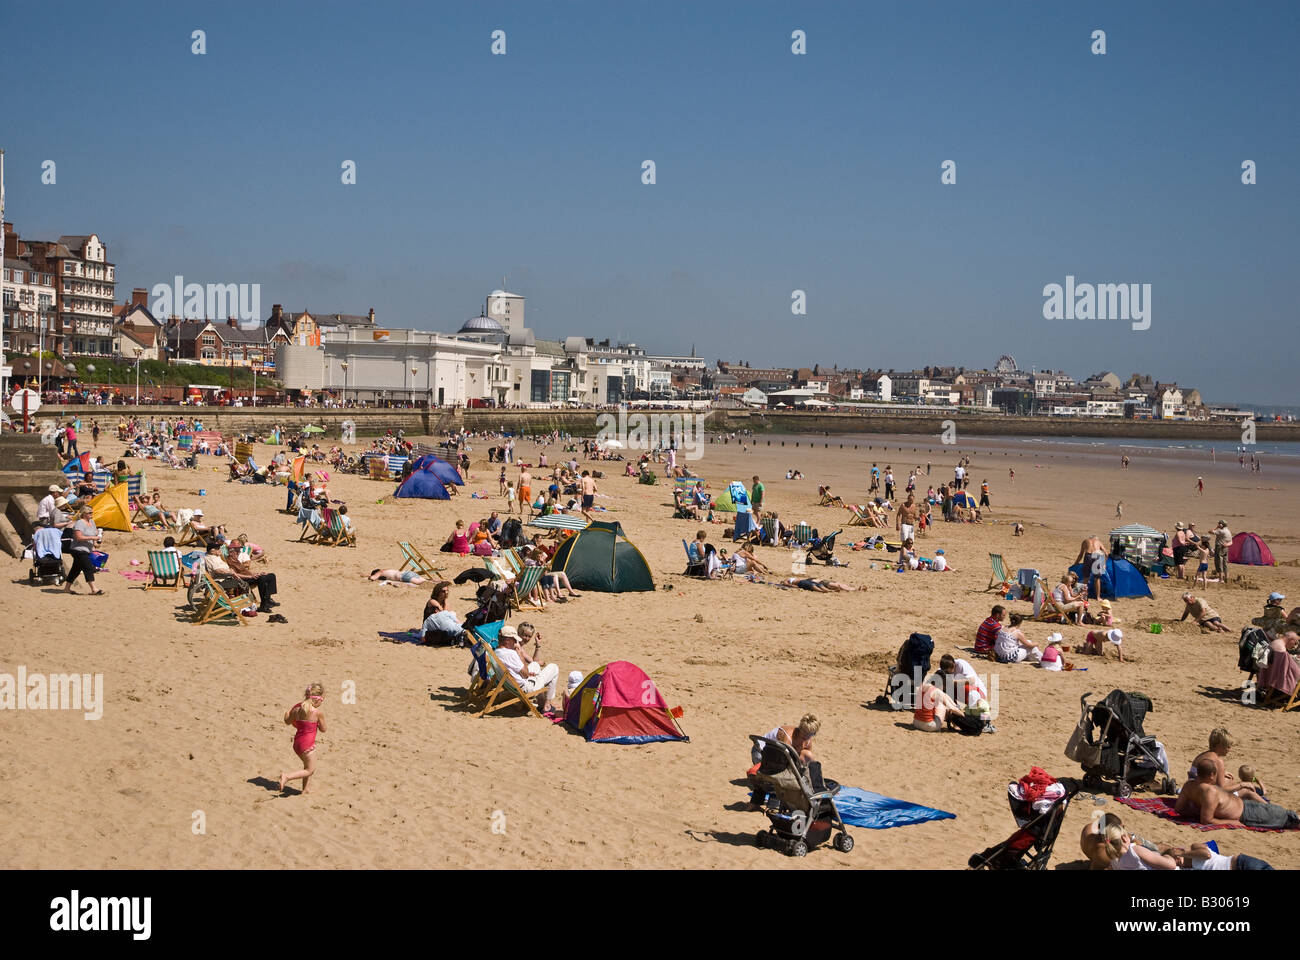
[198,512]
[508,633]
[1178,525]
[1105,604]
[1055,640]
[55,488]
[1222,523]
[1115,636]
[61,502]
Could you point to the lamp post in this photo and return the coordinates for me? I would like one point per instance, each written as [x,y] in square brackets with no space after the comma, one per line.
[90,369]
[414,371]
[138,352]
[344,365]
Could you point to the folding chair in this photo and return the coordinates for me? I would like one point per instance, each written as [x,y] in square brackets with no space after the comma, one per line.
[500,682]
[413,558]
[694,568]
[481,682]
[189,537]
[315,531]
[166,569]
[339,536]
[1002,580]
[803,533]
[524,586]
[219,604]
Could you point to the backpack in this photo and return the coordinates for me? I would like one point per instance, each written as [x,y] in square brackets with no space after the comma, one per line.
[1252,650]
[971,726]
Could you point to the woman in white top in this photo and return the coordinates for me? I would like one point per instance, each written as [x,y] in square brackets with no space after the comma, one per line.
[1124,854]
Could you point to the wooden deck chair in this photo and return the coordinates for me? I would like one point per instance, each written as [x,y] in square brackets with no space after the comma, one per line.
[858,516]
[315,532]
[166,569]
[142,519]
[523,588]
[414,559]
[511,557]
[497,571]
[501,683]
[1046,609]
[189,537]
[1001,580]
[218,605]
[1276,694]
[481,681]
[803,533]
[339,535]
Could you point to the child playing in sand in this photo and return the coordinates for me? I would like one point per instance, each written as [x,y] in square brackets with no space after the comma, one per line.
[307,718]
[1094,643]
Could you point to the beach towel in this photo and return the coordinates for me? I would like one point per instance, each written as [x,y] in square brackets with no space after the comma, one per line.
[136,574]
[862,808]
[1164,807]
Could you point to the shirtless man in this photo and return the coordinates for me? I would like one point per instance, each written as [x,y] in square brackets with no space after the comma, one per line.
[821,586]
[1092,549]
[525,491]
[588,487]
[1211,804]
[905,520]
[1203,613]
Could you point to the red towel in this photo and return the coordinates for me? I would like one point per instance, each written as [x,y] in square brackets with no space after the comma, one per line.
[1035,783]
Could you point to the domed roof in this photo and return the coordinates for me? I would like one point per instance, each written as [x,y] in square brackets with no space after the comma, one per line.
[481,324]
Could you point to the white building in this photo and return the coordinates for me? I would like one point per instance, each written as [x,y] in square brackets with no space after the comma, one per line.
[1171,403]
[506,309]
[403,366]
[885,388]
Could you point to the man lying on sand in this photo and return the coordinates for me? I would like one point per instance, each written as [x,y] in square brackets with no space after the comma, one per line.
[820,586]
[1203,799]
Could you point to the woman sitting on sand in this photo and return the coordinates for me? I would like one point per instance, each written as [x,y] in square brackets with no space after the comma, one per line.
[746,562]
[437,601]
[1092,840]
[1012,646]
[457,540]
[932,708]
[1123,853]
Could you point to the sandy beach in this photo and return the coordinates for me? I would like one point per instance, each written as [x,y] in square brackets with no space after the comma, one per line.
[181,770]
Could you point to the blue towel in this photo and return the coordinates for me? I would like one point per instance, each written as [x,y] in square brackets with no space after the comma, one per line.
[862,808]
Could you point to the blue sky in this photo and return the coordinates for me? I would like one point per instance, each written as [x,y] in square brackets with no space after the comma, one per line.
[775,172]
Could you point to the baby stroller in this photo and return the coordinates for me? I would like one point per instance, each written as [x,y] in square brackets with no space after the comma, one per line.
[1252,651]
[1110,744]
[823,549]
[45,570]
[910,668]
[801,817]
[1030,847]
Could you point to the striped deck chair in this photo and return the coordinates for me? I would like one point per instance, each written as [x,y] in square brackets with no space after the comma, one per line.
[339,535]
[1046,609]
[769,531]
[501,683]
[859,517]
[316,531]
[511,557]
[218,605]
[497,571]
[414,559]
[189,537]
[803,533]
[166,569]
[523,588]
[481,681]
[1001,581]
[142,519]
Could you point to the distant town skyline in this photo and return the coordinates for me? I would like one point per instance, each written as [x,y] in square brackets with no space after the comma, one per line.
[775,172]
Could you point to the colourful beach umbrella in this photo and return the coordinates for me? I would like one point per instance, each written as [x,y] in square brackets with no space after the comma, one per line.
[559,521]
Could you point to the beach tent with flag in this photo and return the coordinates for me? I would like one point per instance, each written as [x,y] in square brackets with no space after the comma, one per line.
[1251,550]
[601,557]
[424,481]
[1121,579]
[618,703]
[111,511]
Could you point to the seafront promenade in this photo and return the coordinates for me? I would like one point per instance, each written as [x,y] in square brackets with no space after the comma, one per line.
[582,422]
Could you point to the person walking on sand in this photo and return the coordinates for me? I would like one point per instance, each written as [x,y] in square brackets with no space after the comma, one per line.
[308,719]
[525,491]
[587,485]
[1200,486]
[1119,509]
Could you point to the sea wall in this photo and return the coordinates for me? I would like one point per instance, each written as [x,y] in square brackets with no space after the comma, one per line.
[372,422]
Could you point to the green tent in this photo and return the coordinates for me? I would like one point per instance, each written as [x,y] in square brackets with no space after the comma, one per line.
[601,557]
[723,503]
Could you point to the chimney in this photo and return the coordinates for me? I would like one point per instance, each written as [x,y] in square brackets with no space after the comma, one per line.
[372,315]
[277,313]
[140,297]
[232,322]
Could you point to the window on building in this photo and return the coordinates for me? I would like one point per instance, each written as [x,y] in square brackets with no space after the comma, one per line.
[541,386]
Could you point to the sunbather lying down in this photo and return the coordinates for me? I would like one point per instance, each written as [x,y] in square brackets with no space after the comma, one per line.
[821,586]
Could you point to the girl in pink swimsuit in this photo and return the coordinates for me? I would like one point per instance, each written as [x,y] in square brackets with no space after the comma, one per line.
[307,718]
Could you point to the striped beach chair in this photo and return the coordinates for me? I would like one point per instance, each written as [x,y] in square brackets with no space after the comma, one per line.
[803,533]
[218,604]
[166,569]
[413,558]
[524,586]
[769,530]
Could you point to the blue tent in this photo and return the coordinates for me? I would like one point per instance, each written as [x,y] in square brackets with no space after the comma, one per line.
[440,468]
[1122,579]
[426,480]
